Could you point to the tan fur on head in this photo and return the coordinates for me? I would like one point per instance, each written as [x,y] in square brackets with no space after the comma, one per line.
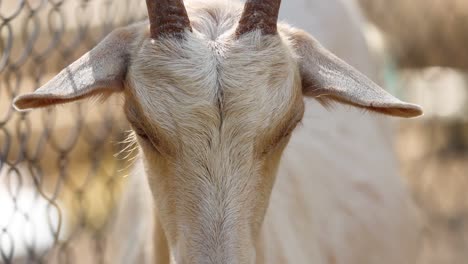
[213,112]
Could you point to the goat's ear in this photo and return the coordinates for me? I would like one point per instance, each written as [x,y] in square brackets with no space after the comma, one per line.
[326,77]
[99,72]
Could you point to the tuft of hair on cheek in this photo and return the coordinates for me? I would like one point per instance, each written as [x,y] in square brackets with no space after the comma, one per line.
[129,152]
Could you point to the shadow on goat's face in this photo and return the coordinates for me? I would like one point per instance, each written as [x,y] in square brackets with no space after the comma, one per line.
[212,118]
[213,101]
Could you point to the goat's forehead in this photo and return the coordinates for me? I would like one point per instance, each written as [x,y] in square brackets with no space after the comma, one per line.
[202,79]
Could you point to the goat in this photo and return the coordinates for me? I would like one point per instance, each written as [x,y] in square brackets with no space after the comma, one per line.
[213,93]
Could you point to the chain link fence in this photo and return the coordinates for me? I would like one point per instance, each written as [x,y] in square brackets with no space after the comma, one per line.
[58,174]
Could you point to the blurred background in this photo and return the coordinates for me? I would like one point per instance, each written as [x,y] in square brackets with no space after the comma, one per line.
[62,169]
[423,45]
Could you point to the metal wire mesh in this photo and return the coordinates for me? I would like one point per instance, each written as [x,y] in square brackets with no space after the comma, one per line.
[58,176]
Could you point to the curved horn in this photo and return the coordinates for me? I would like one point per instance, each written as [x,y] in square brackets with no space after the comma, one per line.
[259,14]
[167,17]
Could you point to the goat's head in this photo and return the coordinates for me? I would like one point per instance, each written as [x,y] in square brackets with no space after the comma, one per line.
[213,100]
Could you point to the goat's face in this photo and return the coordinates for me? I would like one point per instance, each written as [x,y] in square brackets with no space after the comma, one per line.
[212,118]
[213,103]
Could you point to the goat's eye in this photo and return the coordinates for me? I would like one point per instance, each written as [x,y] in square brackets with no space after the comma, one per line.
[142,135]
[281,137]
[151,142]
[139,131]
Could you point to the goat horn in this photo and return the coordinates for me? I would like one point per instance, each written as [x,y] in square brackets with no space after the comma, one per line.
[259,14]
[167,17]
